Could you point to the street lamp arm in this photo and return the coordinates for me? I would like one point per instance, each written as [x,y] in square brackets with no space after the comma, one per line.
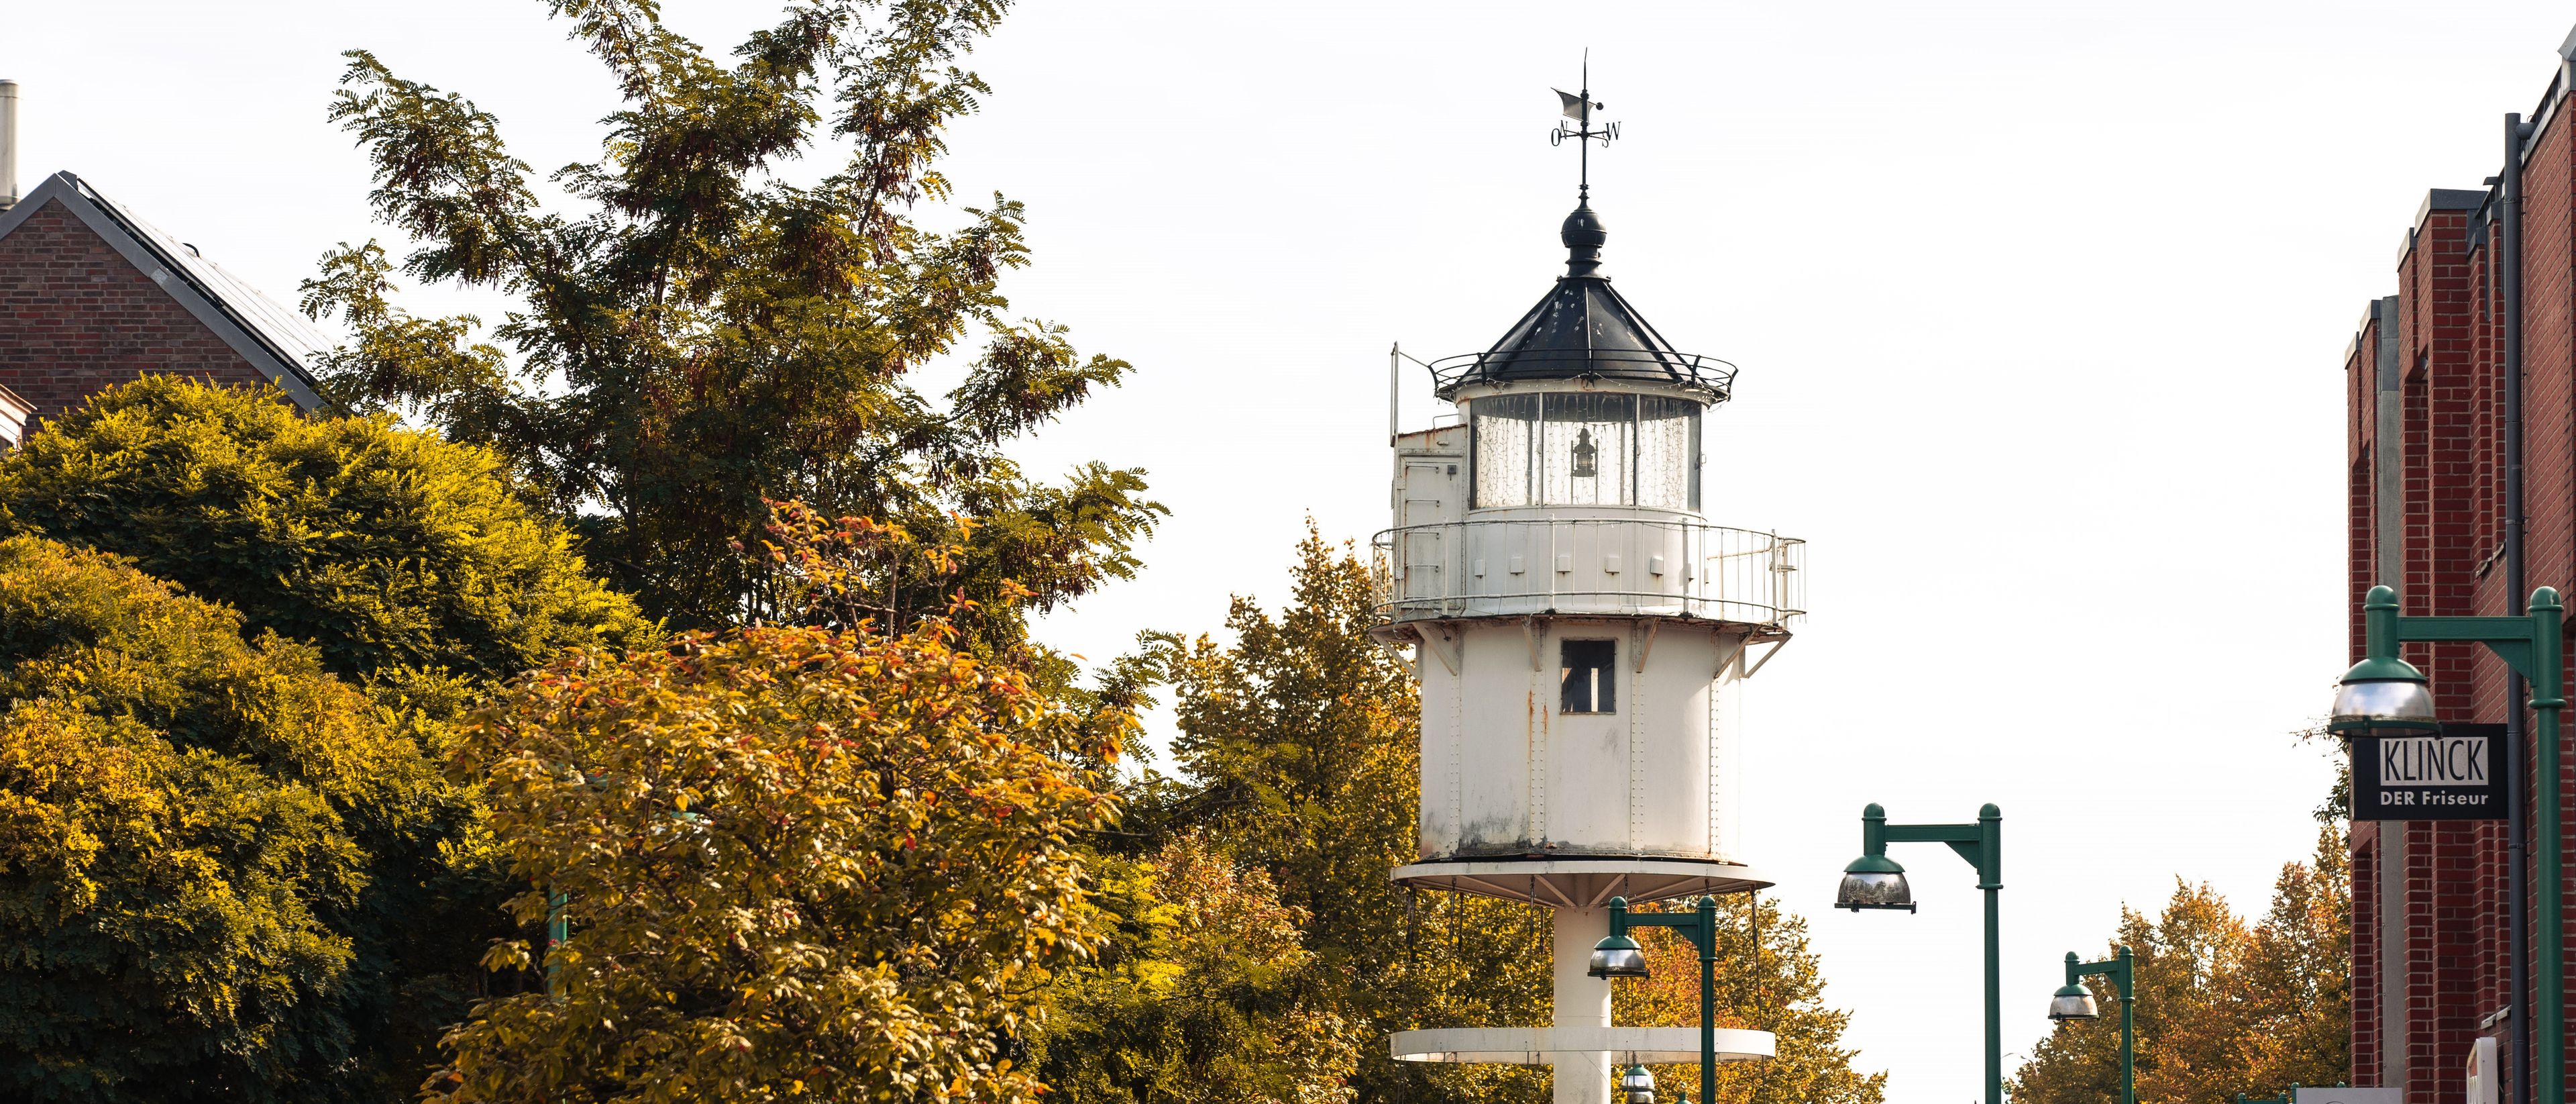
[2117,969]
[1981,843]
[1688,923]
[2512,639]
[1699,924]
[1932,833]
[1965,840]
[2508,637]
[2473,629]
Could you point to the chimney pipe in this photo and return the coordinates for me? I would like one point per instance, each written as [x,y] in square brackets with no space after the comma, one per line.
[8,144]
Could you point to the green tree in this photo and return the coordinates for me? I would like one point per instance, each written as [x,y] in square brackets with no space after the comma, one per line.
[697,334]
[797,864]
[1300,744]
[388,549]
[1204,993]
[2223,1006]
[224,874]
[1300,741]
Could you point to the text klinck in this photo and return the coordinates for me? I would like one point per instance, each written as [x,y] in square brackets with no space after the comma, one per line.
[2433,761]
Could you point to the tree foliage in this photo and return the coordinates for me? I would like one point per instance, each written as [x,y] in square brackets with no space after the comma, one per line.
[224,875]
[797,864]
[2224,1006]
[388,549]
[1300,741]
[693,333]
[1206,992]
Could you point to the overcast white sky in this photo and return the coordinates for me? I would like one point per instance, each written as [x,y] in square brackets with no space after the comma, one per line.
[2040,308]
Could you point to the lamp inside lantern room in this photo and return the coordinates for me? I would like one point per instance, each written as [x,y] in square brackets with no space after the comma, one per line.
[1586,455]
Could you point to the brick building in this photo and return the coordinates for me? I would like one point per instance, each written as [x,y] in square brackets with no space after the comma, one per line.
[2431,418]
[91,295]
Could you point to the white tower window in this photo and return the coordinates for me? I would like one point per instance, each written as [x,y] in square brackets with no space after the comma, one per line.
[1588,680]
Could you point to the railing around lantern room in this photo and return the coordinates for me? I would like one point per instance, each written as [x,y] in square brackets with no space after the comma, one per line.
[1629,567]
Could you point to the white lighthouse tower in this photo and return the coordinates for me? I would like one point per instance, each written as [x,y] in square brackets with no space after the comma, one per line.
[1577,625]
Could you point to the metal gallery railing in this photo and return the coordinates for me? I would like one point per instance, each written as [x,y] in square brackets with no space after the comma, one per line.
[1708,375]
[1510,567]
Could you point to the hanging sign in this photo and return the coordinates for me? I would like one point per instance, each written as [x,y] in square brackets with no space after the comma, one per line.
[2456,775]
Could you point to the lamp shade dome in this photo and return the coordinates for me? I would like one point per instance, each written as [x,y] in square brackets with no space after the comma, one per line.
[1617,956]
[1638,1084]
[2073,1002]
[1874,881]
[2383,697]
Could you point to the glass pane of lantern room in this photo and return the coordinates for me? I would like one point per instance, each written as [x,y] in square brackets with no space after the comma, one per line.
[1668,453]
[1585,446]
[1504,427]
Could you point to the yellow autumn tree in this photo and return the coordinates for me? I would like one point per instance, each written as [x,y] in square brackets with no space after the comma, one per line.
[793,863]
[2224,1006]
[1300,744]
[225,874]
[1205,992]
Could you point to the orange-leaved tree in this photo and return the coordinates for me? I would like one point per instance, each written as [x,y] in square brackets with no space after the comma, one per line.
[794,863]
[2224,1006]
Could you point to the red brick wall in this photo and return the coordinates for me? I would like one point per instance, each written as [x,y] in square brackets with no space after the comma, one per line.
[2453,960]
[76,317]
[2549,364]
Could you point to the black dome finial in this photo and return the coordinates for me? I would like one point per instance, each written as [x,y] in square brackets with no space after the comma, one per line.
[1583,236]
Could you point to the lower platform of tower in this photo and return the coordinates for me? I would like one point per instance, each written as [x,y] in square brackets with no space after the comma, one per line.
[1582,1044]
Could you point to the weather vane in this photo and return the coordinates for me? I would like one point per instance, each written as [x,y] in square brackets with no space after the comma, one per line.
[1579,107]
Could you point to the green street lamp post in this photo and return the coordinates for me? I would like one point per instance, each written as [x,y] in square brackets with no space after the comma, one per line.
[2075,1002]
[1618,956]
[2383,695]
[558,929]
[1874,881]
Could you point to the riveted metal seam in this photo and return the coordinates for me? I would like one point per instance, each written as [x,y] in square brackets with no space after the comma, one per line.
[1539,716]
[1636,757]
[1716,749]
[1457,757]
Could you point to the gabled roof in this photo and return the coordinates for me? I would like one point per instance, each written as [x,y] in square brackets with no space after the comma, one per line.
[277,341]
[1583,329]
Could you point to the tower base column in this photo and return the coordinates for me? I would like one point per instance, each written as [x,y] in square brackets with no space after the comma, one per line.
[1581,1001]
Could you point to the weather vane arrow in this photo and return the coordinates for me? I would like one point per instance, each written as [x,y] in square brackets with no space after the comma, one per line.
[1579,107]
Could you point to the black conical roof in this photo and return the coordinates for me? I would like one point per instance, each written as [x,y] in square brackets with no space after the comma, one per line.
[1583,329]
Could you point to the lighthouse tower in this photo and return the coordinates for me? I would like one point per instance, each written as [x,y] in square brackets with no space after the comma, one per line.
[1577,624]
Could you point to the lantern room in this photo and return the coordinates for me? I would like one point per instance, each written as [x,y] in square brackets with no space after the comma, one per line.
[1575,477]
